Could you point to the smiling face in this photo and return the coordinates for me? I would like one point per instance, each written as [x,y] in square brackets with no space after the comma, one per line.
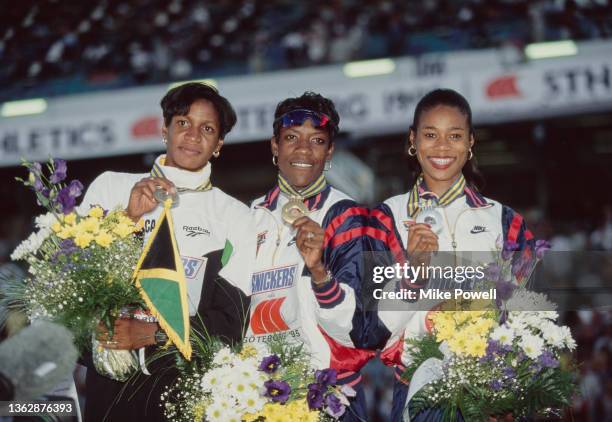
[193,138]
[442,141]
[302,152]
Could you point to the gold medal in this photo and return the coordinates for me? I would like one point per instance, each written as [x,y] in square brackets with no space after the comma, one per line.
[294,209]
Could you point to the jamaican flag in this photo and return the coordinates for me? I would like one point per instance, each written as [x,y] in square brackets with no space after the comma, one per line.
[160,276]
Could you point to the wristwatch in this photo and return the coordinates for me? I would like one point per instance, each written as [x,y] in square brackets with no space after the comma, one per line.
[161,337]
[327,279]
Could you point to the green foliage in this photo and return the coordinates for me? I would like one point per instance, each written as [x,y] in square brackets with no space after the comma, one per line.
[421,349]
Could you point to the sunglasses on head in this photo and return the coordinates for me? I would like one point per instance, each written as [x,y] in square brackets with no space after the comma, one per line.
[298,117]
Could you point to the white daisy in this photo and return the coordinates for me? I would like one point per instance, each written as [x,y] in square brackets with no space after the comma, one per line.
[503,334]
[532,345]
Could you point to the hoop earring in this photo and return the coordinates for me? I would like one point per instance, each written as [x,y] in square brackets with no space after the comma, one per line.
[327,167]
[216,154]
[471,155]
[412,151]
[275,160]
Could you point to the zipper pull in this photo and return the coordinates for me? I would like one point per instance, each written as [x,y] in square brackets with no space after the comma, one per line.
[454,244]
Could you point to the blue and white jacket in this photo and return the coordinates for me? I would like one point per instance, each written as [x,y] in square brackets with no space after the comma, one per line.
[471,223]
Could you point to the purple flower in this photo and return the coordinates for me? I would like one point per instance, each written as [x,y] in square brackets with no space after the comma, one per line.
[314,397]
[496,385]
[509,372]
[277,391]
[60,171]
[67,244]
[492,272]
[504,289]
[492,348]
[326,377]
[535,368]
[38,185]
[36,168]
[547,360]
[541,247]
[333,406]
[270,364]
[67,247]
[66,201]
[508,251]
[75,188]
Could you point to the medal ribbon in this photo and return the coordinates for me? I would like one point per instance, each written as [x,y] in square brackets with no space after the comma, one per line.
[421,197]
[157,171]
[313,189]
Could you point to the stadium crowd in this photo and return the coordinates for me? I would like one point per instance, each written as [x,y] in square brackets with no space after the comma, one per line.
[119,43]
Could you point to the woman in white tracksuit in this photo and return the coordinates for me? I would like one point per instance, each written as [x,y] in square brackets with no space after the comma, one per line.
[209,228]
[440,148]
[310,237]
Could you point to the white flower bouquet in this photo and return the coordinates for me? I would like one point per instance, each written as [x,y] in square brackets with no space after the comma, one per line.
[80,267]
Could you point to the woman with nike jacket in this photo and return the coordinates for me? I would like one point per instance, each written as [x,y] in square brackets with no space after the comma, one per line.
[310,238]
[463,222]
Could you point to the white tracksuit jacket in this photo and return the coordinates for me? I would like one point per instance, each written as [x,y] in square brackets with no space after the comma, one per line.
[285,303]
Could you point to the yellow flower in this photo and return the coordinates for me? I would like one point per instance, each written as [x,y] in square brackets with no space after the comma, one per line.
[70,218]
[56,227]
[476,347]
[248,351]
[104,239]
[96,212]
[83,239]
[66,232]
[199,411]
[90,224]
[124,219]
[123,230]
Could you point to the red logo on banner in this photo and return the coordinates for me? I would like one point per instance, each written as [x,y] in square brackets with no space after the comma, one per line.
[147,127]
[503,87]
[266,317]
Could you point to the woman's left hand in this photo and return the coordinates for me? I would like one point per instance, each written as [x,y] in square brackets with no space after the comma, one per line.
[128,334]
[309,240]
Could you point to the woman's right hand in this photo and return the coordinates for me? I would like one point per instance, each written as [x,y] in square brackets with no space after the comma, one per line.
[142,200]
[422,242]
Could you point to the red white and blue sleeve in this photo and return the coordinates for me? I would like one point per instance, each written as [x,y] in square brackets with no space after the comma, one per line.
[348,237]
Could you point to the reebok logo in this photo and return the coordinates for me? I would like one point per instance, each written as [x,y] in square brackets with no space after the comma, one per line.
[193,231]
[478,229]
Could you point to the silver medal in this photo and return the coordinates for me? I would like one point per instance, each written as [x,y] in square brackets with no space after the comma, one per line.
[430,215]
[161,195]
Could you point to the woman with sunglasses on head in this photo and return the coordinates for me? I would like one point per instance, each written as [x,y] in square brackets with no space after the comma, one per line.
[209,228]
[306,283]
[443,211]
